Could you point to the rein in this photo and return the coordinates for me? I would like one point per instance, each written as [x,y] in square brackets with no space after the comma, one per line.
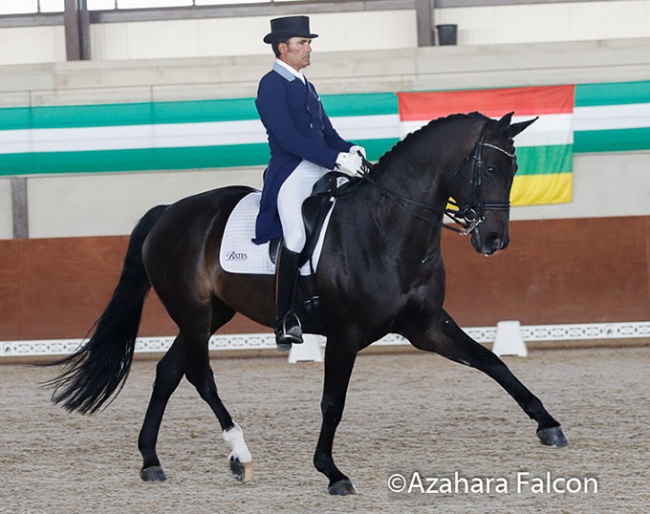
[468,217]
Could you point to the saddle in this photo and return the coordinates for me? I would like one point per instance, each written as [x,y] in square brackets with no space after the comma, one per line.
[315,209]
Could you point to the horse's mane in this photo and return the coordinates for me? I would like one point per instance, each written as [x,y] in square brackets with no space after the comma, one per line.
[415,137]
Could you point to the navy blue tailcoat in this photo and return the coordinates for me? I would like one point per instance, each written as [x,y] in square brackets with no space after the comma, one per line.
[298,128]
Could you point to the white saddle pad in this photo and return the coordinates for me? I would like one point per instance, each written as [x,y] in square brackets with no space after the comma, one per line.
[238,252]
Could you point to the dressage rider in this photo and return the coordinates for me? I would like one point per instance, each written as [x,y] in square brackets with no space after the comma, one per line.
[304,146]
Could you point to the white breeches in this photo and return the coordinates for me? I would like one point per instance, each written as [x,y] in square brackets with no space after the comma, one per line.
[293,192]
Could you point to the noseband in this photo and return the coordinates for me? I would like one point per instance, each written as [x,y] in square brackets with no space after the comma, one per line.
[472,215]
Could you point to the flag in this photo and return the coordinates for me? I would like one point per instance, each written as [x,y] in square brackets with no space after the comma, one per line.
[544,150]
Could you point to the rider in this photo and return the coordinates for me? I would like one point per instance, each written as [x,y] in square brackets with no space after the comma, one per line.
[304,146]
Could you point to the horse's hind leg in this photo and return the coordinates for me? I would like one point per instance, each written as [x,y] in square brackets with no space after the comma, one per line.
[200,374]
[169,372]
[446,338]
[189,355]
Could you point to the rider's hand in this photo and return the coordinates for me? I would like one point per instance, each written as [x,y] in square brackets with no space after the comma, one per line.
[356,149]
[350,163]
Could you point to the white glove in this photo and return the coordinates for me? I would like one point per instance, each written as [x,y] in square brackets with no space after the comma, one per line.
[350,163]
[356,148]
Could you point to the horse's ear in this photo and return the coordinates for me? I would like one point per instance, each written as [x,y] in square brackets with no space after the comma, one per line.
[517,128]
[504,122]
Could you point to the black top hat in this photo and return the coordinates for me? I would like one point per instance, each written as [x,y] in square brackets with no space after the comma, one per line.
[288,27]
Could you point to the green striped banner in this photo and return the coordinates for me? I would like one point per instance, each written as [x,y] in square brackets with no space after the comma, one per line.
[612,117]
[148,159]
[143,113]
[198,111]
[170,135]
[614,93]
[227,133]
[615,140]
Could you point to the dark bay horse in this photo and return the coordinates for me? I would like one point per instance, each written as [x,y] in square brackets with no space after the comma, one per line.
[381,271]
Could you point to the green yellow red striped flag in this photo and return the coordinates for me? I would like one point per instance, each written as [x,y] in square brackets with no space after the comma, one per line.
[544,150]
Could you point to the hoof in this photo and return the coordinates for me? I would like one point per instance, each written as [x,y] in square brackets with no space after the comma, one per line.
[342,488]
[153,474]
[553,436]
[242,471]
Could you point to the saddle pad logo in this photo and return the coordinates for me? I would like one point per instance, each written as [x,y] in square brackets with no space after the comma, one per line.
[236,256]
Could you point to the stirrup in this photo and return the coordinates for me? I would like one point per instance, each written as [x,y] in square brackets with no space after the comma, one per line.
[288,332]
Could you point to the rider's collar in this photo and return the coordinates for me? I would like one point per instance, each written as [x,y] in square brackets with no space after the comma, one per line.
[284,68]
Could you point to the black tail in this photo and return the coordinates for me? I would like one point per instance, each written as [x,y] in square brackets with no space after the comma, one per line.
[100,367]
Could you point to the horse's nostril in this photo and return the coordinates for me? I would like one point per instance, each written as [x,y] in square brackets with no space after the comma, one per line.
[496,242]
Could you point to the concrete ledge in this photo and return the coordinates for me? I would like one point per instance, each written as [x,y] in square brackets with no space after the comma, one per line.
[434,68]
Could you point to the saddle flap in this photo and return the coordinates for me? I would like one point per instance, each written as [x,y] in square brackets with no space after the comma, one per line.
[314,212]
[316,207]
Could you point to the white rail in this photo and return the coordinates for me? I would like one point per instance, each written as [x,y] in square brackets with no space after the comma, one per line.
[583,331]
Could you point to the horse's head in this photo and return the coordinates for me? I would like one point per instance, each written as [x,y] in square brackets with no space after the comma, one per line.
[481,187]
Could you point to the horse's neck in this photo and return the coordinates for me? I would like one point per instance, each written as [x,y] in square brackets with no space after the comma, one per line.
[406,204]
[424,186]
[406,209]
[422,169]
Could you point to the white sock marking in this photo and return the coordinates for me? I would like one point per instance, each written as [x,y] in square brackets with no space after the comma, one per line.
[235,439]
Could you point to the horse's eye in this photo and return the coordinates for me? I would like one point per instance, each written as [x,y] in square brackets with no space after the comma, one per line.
[491,170]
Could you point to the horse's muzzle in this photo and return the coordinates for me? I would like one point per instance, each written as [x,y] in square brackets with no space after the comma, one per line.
[489,244]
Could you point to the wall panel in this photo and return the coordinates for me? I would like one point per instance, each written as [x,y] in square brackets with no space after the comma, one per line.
[346,31]
[556,271]
[546,22]
[111,204]
[25,45]
[6,213]
[11,289]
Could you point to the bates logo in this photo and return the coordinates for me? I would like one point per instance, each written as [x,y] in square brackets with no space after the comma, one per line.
[236,256]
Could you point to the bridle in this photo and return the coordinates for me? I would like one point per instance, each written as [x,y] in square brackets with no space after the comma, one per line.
[470,216]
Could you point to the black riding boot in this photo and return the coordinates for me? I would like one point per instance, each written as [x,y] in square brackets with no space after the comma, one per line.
[287,329]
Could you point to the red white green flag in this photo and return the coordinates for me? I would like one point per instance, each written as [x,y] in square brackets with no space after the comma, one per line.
[544,150]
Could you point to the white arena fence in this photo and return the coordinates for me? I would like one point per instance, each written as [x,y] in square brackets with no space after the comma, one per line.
[529,333]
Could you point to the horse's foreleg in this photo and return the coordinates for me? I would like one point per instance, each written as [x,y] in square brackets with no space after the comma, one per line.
[339,361]
[168,375]
[446,338]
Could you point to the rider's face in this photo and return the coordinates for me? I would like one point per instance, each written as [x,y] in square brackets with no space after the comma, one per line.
[296,52]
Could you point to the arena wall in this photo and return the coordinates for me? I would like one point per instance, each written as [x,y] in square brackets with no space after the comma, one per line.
[555,271]
[84,204]
[585,261]
[357,26]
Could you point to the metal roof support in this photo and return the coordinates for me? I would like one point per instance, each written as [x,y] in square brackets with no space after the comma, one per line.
[424,13]
[77,30]
[19,207]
